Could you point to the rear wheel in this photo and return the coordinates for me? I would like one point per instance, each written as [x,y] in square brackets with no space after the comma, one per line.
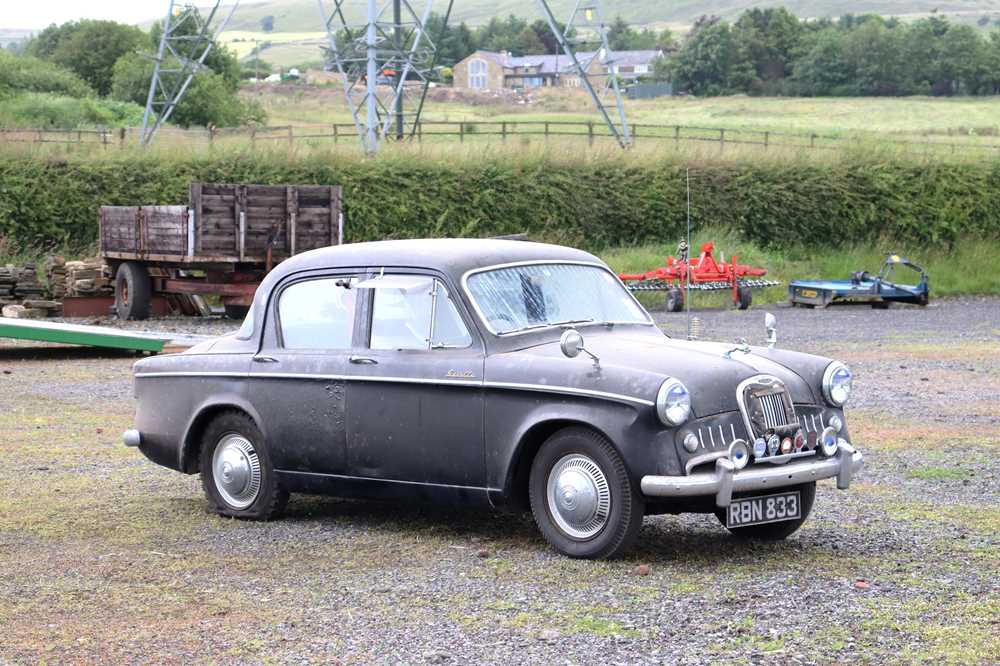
[774,531]
[675,300]
[133,291]
[236,471]
[581,495]
[744,297]
[237,312]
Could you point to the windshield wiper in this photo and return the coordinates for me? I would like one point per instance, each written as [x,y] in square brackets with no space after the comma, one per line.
[548,324]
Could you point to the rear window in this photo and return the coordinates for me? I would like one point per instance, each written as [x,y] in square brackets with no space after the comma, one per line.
[317,314]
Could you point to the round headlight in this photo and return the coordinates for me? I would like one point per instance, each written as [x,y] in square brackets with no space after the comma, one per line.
[673,402]
[837,384]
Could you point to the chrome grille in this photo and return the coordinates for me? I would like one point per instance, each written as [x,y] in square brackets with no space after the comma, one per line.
[772,408]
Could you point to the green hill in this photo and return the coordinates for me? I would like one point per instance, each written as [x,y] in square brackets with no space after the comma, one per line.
[303,16]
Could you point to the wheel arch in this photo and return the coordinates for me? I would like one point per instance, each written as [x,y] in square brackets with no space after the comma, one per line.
[530,442]
[191,442]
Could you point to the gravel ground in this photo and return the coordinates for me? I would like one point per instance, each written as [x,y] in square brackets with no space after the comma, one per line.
[108,558]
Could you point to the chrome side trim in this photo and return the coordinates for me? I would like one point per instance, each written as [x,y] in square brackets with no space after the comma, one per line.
[348,477]
[539,262]
[541,388]
[724,481]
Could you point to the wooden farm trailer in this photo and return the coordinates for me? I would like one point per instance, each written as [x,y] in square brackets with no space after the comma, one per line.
[222,242]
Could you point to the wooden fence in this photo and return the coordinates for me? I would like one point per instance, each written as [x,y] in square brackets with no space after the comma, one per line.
[503,131]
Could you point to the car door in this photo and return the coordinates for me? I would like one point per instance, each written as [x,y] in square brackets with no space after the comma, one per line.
[415,396]
[298,376]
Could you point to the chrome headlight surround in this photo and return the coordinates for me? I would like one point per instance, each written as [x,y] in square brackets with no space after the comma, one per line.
[837,384]
[673,402]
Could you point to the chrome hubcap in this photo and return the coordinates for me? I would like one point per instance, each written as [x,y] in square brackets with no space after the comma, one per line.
[236,469]
[578,496]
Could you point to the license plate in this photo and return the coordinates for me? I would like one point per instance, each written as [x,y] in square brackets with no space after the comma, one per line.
[808,293]
[765,509]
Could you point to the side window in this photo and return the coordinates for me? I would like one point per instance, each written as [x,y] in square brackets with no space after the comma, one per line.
[402,317]
[317,314]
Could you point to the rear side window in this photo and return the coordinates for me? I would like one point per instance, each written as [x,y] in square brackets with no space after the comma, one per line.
[318,314]
[421,316]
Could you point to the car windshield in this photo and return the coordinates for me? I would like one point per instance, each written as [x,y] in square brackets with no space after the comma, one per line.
[519,298]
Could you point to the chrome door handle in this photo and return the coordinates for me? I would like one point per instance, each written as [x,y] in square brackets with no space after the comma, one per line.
[362,360]
[264,359]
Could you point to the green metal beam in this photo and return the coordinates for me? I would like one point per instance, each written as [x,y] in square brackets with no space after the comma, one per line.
[73,334]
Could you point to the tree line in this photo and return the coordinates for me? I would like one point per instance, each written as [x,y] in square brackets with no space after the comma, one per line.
[108,65]
[772,52]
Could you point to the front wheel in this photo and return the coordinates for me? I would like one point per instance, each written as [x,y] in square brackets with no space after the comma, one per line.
[581,495]
[774,531]
[236,471]
[744,297]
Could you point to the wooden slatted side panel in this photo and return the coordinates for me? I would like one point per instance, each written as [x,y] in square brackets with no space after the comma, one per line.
[318,217]
[165,229]
[216,219]
[119,228]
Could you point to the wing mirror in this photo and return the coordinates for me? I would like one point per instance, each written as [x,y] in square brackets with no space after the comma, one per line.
[571,344]
[771,327]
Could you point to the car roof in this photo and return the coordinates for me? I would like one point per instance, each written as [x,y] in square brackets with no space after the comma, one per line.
[453,256]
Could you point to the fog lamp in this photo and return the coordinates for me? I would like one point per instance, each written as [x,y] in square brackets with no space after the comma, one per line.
[759,447]
[828,441]
[691,442]
[786,445]
[773,442]
[739,454]
[800,440]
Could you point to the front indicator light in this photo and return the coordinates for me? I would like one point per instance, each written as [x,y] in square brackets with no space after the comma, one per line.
[836,423]
[786,445]
[691,442]
[759,447]
[828,442]
[739,454]
[773,443]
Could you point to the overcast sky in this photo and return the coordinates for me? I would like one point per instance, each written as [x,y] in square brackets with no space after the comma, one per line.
[40,13]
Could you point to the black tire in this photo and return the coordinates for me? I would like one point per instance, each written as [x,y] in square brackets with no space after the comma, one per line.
[625,509]
[237,312]
[269,499]
[881,305]
[744,297]
[133,291]
[675,300]
[774,531]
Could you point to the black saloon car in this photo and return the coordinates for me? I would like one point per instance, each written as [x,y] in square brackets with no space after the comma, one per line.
[498,373]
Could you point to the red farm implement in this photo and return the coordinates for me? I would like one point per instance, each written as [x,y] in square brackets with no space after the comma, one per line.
[704,274]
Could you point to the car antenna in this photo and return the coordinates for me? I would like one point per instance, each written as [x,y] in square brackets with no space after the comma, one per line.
[693,325]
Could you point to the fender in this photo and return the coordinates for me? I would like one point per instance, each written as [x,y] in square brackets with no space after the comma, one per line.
[214,404]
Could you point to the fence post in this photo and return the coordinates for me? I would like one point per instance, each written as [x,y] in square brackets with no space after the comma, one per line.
[420,131]
[291,138]
[722,140]
[812,140]
[336,134]
[590,132]
[122,137]
[677,137]
[546,130]
[461,132]
[253,137]
[766,137]
[503,131]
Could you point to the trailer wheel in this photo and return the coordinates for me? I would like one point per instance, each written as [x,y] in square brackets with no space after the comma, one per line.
[675,300]
[745,297]
[133,291]
[237,312]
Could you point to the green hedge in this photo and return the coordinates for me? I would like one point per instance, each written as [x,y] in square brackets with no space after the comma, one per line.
[592,205]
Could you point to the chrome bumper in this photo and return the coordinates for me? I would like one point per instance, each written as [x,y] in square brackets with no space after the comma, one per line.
[725,480]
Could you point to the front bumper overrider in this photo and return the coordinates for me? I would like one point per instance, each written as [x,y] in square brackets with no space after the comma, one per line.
[725,480]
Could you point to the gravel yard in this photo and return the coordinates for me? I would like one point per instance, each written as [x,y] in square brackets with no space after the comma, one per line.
[109,558]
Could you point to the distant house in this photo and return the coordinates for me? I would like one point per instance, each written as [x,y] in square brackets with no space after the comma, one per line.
[489,70]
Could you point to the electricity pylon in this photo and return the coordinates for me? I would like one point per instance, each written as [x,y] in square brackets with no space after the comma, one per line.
[186,41]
